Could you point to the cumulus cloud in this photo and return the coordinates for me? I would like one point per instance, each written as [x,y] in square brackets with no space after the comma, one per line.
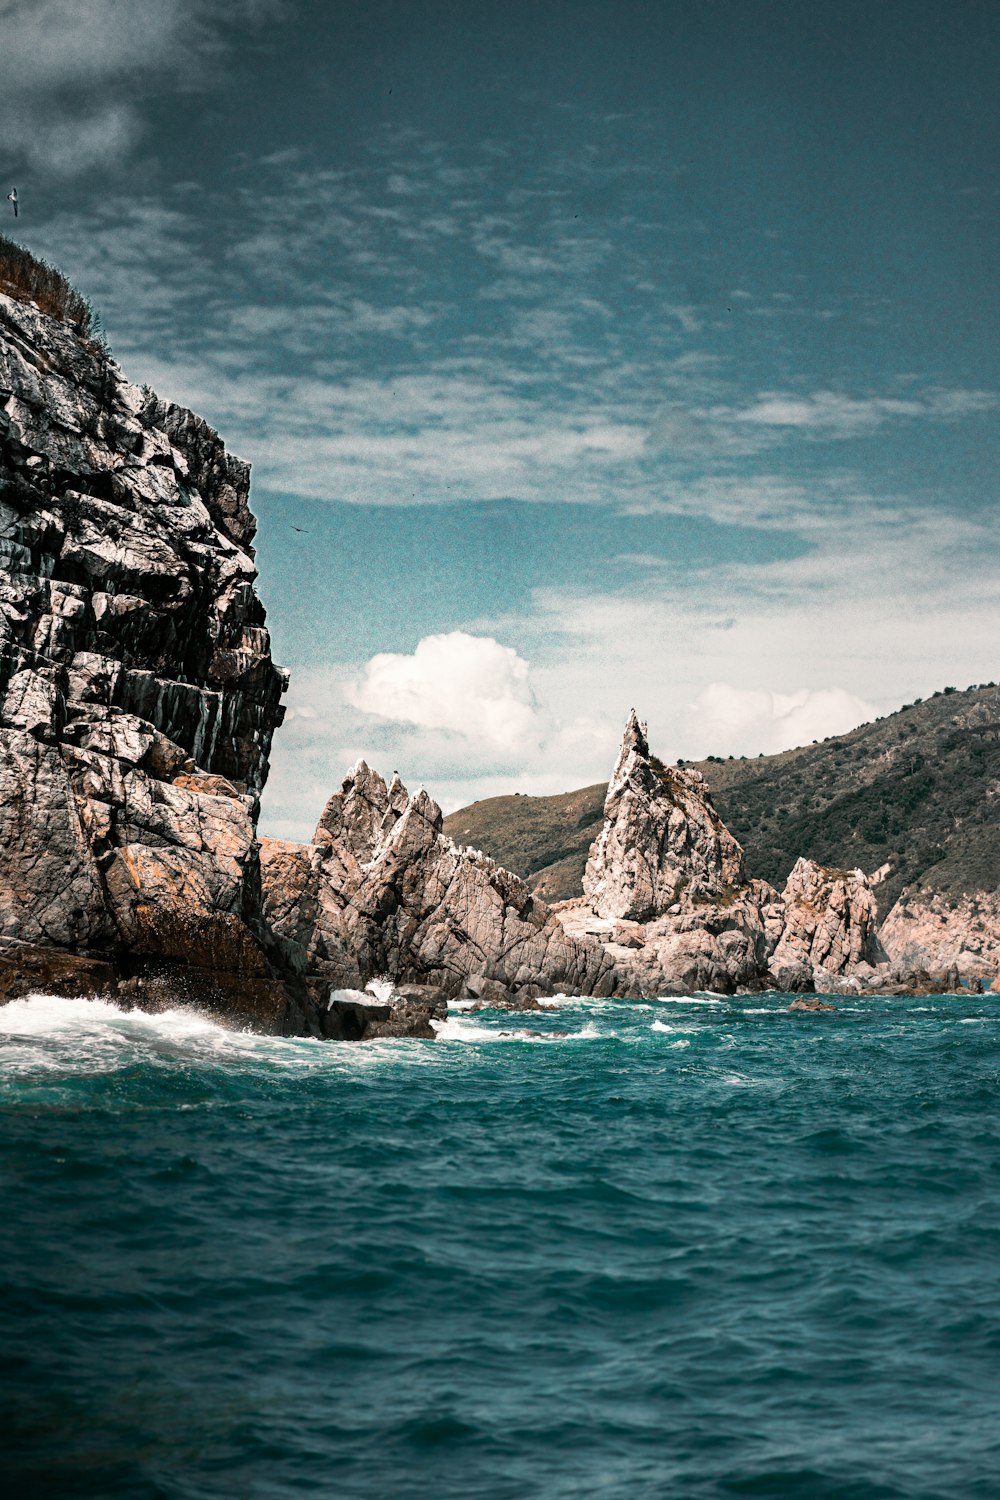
[71,71]
[727,720]
[464,684]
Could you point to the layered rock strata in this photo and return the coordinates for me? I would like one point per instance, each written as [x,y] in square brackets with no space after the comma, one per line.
[137,693]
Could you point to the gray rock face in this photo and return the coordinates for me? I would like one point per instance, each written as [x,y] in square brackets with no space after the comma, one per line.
[662,838]
[137,693]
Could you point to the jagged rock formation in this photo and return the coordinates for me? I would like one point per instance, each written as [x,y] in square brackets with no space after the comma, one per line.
[914,794]
[382,891]
[664,887]
[137,692]
[662,838]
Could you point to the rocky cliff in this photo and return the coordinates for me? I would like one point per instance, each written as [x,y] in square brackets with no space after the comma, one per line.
[946,934]
[137,693]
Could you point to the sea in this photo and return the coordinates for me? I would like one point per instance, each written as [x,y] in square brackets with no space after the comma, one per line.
[614,1250]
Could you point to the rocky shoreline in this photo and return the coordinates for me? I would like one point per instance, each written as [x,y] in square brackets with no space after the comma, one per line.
[138,700]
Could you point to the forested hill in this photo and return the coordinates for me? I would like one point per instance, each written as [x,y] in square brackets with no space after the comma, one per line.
[919,790]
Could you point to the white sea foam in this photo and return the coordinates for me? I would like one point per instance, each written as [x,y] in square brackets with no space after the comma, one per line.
[48,1034]
[585,1002]
[381,987]
[357,997]
[459,1029]
[690,1000]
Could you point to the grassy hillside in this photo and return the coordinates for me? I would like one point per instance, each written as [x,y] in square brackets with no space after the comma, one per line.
[919,790]
[27,278]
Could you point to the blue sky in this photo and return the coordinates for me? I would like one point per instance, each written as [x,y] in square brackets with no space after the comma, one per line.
[603,353]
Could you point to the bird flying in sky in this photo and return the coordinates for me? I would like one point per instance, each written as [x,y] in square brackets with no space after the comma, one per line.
[12,198]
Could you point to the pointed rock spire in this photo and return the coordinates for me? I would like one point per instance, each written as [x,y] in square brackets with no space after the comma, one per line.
[662,838]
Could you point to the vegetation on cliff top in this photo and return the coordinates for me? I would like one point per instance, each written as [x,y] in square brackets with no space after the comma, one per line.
[918,790]
[26,277]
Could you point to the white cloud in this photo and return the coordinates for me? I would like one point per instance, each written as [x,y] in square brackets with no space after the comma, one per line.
[727,720]
[465,684]
[73,71]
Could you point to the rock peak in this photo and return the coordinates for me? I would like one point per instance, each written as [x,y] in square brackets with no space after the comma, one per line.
[662,838]
[634,746]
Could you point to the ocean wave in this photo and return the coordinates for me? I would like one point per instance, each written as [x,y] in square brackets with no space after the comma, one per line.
[52,1035]
[458,1029]
[691,999]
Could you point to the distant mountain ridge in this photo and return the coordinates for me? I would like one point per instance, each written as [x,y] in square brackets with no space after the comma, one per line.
[918,790]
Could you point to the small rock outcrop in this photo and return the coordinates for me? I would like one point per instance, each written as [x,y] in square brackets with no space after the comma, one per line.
[830,925]
[137,693]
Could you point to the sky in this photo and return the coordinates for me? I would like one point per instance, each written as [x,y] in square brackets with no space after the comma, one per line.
[587,355]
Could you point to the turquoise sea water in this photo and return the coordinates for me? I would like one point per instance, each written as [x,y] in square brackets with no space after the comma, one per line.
[686,1248]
